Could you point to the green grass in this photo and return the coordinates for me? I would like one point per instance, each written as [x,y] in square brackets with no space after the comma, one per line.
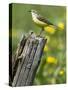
[47,73]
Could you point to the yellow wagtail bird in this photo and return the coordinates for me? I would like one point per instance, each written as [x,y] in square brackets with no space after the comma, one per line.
[40,20]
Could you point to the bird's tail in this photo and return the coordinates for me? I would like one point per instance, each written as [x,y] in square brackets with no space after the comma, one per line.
[57,27]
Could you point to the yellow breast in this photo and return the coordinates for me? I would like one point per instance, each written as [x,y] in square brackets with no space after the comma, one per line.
[38,22]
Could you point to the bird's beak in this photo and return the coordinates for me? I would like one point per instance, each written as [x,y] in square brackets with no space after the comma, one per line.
[29,11]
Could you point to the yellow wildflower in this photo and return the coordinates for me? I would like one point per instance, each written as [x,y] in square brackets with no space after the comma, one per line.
[46,48]
[50,29]
[61,25]
[61,72]
[51,60]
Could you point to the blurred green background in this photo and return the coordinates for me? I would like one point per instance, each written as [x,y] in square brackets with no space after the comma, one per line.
[52,69]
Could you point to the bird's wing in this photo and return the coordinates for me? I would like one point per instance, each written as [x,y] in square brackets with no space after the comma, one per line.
[41,18]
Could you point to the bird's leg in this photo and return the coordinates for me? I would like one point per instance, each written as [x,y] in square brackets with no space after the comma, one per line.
[41,31]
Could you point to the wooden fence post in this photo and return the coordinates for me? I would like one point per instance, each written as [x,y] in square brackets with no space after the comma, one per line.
[27,59]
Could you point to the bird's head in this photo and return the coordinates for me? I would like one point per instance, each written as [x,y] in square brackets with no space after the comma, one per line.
[33,11]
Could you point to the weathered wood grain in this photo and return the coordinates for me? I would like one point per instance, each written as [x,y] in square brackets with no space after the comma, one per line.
[36,62]
[21,63]
[28,59]
[23,72]
[29,63]
[15,60]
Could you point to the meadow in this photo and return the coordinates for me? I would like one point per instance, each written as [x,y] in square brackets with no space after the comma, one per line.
[52,69]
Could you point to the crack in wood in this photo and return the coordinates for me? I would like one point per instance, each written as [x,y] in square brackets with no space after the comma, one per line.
[27,59]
